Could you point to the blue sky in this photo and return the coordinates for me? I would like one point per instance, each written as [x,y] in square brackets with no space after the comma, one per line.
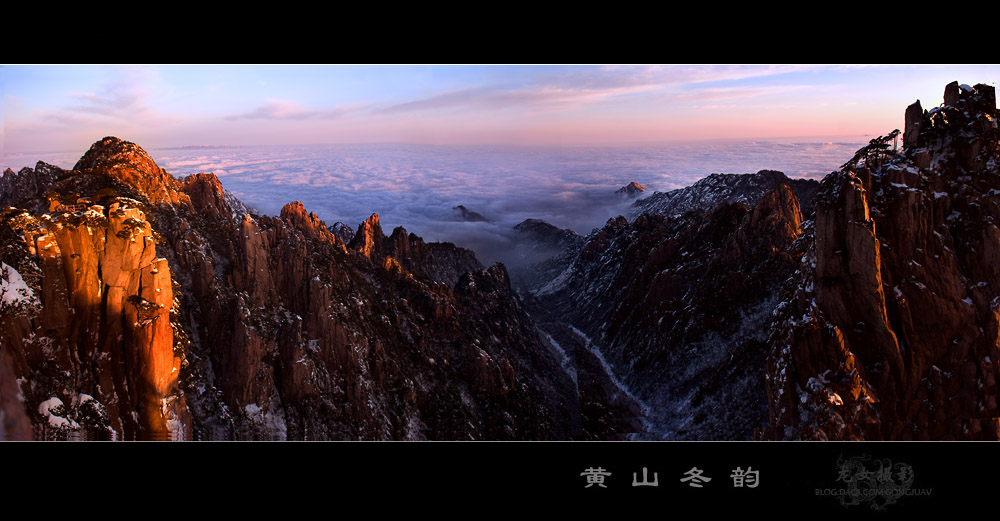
[69,107]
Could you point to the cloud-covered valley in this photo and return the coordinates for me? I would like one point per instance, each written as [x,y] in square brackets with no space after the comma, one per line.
[418,186]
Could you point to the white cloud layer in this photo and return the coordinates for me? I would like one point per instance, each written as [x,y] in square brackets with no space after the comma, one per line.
[417,186]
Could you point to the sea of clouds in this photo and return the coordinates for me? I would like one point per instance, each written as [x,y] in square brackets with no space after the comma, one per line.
[417,186]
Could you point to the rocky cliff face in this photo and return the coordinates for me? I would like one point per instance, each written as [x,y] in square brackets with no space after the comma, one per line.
[28,182]
[891,332]
[862,307]
[157,311]
[100,339]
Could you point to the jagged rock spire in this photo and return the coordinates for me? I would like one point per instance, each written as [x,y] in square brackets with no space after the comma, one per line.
[369,238]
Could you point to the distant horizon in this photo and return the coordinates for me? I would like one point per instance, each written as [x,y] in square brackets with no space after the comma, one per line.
[67,107]
[783,139]
[69,157]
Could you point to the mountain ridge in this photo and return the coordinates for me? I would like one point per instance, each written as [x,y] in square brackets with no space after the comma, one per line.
[863,307]
[829,308]
[276,328]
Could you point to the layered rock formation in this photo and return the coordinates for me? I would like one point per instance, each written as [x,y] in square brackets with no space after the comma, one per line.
[161,312]
[102,332]
[891,332]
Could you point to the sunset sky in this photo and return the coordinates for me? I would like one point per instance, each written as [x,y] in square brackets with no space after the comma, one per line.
[49,108]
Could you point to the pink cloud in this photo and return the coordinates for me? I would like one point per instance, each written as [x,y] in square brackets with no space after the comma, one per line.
[276,109]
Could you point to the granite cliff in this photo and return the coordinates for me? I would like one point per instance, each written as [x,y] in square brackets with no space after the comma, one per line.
[892,329]
[154,308]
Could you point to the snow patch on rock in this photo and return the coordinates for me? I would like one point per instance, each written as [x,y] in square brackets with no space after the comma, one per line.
[14,292]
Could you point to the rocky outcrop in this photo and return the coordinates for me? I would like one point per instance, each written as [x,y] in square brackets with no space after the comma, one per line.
[443,262]
[369,239]
[537,234]
[891,332]
[132,166]
[630,190]
[27,183]
[102,336]
[295,215]
[207,194]
[168,310]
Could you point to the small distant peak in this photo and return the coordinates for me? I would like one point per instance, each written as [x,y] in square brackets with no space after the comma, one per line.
[370,223]
[543,229]
[397,233]
[530,225]
[468,215]
[632,189]
[294,214]
[342,231]
[204,182]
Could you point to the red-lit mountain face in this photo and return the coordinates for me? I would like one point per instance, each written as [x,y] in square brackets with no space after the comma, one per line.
[145,307]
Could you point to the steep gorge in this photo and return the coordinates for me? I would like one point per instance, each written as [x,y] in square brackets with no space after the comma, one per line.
[753,306]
